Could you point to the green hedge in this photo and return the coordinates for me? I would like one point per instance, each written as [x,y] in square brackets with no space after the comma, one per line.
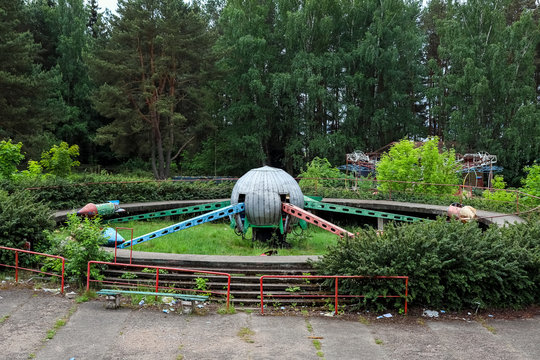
[64,194]
[23,218]
[450,265]
[81,189]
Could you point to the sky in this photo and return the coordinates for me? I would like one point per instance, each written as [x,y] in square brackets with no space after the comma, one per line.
[107,4]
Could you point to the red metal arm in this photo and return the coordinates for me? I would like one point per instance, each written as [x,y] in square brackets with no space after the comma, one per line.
[314,219]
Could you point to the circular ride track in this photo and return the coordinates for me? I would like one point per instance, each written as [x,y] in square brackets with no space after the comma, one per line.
[246,270]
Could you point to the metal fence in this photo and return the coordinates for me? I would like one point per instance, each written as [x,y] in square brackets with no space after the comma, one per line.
[158,271]
[336,294]
[17,267]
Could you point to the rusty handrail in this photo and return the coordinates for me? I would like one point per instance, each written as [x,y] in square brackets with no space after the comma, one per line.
[17,267]
[336,290]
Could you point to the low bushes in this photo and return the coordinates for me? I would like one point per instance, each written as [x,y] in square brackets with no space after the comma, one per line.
[23,218]
[450,265]
[79,242]
[66,194]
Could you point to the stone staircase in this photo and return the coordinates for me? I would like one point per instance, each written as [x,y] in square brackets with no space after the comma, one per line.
[245,279]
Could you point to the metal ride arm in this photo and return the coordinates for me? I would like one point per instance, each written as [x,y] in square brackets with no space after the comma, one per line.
[198,220]
[172,212]
[316,205]
[313,219]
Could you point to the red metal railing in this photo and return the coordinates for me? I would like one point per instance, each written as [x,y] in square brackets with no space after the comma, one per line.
[336,290]
[116,241]
[156,287]
[17,267]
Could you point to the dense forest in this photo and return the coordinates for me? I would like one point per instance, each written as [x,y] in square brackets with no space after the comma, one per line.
[218,87]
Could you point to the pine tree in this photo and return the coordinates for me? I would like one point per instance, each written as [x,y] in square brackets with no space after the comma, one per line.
[152,71]
[29,100]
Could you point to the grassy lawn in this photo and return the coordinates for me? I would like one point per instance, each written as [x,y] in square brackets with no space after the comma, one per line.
[219,239]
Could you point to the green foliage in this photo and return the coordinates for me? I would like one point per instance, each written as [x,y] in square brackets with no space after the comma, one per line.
[64,193]
[499,184]
[202,284]
[531,183]
[152,72]
[29,99]
[425,164]
[129,275]
[153,271]
[59,159]
[450,265]
[292,289]
[82,244]
[319,172]
[23,218]
[10,157]
[33,172]
[315,78]
[475,99]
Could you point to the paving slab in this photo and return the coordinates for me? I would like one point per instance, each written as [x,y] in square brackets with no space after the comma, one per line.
[147,335]
[93,332]
[523,335]
[346,339]
[90,333]
[216,336]
[467,339]
[23,333]
[281,337]
[407,341]
[9,301]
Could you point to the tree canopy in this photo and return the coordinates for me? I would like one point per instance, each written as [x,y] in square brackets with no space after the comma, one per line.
[222,86]
[151,74]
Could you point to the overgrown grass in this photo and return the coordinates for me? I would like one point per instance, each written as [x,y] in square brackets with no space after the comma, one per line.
[219,239]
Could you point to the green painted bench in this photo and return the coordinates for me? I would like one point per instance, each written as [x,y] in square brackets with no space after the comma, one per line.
[113,295]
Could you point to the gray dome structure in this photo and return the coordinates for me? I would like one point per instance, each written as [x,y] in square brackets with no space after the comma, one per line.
[262,190]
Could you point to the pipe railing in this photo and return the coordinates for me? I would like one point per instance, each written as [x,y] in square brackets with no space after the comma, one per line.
[156,286]
[17,267]
[116,242]
[336,294]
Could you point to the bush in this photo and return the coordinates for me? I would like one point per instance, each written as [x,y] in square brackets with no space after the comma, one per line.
[531,183]
[499,184]
[78,243]
[450,265]
[23,218]
[62,193]
[58,160]
[405,162]
[320,172]
[10,157]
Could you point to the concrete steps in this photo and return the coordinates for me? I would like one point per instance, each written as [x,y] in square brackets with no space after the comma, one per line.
[245,279]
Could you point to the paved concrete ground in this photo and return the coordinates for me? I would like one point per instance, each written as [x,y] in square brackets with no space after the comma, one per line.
[93,332]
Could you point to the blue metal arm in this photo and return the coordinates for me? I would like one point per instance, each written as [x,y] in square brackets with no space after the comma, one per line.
[198,220]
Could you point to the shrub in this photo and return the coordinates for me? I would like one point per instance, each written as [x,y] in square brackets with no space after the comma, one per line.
[450,265]
[23,218]
[320,172]
[405,162]
[58,160]
[531,183]
[498,195]
[82,244]
[10,157]
[64,193]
